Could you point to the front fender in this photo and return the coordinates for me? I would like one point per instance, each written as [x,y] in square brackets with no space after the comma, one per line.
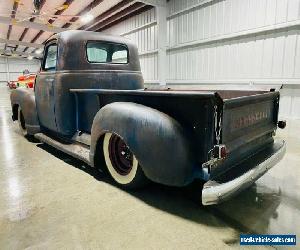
[158,141]
[25,98]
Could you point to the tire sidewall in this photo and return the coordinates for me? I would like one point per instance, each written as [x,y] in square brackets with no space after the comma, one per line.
[120,179]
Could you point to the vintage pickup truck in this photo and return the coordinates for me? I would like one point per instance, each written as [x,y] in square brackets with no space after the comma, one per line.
[89,101]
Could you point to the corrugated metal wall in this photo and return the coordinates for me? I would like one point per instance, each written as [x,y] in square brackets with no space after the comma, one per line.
[11,68]
[3,70]
[237,42]
[142,29]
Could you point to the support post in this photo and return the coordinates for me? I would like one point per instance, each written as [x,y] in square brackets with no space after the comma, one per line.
[7,70]
[161,15]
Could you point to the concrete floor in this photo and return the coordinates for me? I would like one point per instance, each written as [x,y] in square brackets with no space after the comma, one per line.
[49,200]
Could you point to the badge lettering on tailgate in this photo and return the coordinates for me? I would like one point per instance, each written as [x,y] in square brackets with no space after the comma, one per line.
[248,116]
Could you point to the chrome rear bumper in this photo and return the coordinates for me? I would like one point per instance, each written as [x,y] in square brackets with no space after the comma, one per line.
[214,192]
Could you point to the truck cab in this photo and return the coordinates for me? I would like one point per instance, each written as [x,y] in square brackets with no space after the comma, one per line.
[82,60]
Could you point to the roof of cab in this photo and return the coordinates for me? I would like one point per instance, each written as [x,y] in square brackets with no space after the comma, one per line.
[74,36]
[73,42]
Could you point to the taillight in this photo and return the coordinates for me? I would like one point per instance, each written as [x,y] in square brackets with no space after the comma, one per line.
[223,151]
[220,151]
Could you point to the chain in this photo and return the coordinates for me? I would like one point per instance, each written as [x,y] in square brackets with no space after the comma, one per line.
[218,129]
[218,125]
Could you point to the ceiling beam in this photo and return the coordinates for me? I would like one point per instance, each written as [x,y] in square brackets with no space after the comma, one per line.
[85,10]
[30,20]
[160,3]
[31,25]
[108,13]
[51,20]
[19,53]
[112,16]
[134,13]
[60,11]
[91,6]
[12,15]
[16,42]
[123,14]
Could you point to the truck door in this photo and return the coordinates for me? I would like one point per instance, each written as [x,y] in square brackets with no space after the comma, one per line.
[44,88]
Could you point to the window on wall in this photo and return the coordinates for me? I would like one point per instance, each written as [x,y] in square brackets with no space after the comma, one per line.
[51,58]
[103,52]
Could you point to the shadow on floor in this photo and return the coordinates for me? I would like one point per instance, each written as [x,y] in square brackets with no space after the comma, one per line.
[248,212]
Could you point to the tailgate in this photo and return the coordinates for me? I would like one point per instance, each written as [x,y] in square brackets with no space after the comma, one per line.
[248,118]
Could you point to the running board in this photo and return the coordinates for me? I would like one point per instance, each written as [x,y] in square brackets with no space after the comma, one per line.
[78,151]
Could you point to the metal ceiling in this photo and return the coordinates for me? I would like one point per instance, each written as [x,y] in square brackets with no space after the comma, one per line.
[23,30]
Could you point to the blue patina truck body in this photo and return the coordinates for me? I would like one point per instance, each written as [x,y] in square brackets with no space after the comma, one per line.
[89,101]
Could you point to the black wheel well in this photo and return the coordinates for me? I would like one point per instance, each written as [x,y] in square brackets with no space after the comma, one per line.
[99,161]
[15,112]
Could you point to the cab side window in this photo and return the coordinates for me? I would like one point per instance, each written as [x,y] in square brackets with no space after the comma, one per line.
[50,58]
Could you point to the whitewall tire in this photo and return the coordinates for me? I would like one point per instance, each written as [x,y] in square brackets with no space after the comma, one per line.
[121,162]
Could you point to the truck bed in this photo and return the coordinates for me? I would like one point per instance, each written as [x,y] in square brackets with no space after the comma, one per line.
[245,120]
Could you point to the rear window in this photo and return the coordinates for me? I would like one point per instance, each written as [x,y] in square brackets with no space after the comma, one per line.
[103,52]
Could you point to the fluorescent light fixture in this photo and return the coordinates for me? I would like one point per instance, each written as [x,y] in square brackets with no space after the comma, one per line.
[30,57]
[39,51]
[86,18]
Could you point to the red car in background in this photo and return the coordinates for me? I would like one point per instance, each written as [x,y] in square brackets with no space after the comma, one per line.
[12,84]
[25,81]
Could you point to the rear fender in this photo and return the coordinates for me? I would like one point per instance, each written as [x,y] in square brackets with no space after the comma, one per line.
[25,99]
[158,141]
